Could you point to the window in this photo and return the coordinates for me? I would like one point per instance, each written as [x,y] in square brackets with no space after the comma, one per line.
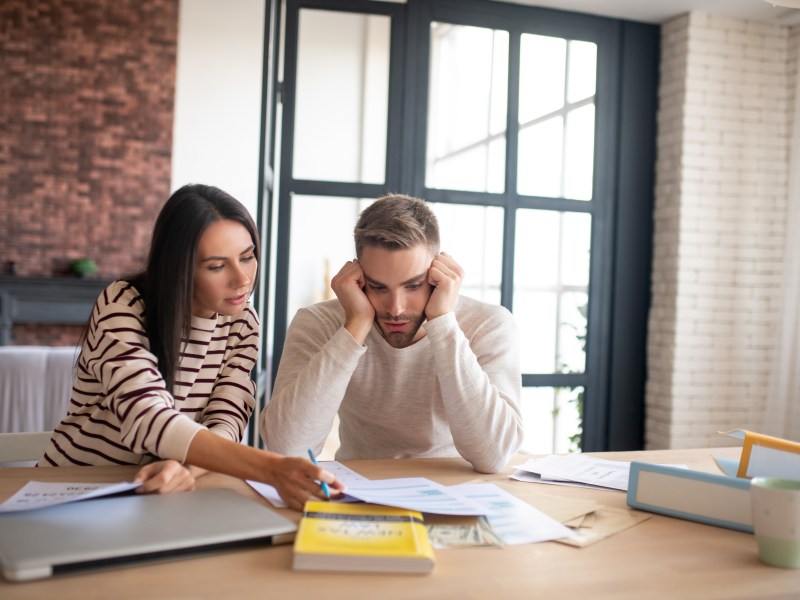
[467,108]
[466,150]
[531,132]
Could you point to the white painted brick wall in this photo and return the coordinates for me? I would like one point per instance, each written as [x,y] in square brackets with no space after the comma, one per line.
[724,127]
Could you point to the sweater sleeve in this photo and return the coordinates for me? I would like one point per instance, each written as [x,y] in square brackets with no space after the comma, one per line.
[233,398]
[133,387]
[318,360]
[481,382]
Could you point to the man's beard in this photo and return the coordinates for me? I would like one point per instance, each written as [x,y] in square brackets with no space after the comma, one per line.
[400,339]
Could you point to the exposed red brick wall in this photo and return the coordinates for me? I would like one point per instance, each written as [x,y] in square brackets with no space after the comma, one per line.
[87,92]
[86,111]
[28,334]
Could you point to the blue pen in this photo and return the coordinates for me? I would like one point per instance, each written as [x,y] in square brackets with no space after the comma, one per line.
[322,484]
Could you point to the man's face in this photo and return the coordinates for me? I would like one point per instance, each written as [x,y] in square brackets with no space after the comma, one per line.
[398,289]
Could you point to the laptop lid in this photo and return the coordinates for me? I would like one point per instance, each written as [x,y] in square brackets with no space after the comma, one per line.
[136,528]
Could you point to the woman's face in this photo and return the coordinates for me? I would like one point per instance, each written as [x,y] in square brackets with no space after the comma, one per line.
[224,271]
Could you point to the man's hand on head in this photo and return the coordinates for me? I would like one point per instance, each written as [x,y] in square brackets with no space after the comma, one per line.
[348,285]
[446,275]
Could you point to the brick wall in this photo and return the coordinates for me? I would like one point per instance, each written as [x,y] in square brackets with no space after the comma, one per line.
[86,107]
[719,230]
[87,103]
[41,334]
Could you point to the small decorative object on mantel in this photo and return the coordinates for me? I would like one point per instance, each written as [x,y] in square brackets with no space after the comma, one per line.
[83,267]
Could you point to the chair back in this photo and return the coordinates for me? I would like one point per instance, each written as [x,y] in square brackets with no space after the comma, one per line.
[25,447]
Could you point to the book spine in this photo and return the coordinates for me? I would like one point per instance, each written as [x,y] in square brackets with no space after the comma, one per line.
[692,495]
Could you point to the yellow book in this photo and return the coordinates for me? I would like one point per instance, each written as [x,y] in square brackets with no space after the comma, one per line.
[362,537]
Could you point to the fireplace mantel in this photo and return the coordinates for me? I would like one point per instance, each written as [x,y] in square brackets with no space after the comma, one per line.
[56,300]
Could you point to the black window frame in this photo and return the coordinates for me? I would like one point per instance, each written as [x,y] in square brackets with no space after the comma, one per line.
[621,208]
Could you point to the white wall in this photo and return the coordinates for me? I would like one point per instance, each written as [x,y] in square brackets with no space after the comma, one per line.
[218,96]
[719,227]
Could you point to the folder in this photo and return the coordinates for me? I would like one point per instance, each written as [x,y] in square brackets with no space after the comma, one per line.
[763,456]
[694,495]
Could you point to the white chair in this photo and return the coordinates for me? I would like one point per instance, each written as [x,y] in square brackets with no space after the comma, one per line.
[35,386]
[19,448]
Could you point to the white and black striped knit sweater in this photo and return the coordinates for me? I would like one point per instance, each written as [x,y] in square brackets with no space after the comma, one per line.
[121,412]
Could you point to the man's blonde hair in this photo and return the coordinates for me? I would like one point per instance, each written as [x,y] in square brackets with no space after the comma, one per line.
[397,222]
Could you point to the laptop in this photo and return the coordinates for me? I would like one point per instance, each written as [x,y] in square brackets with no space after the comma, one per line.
[133,529]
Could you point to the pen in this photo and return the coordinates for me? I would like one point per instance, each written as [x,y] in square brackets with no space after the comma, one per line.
[322,484]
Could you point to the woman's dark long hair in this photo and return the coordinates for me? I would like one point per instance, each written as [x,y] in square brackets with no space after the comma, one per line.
[167,282]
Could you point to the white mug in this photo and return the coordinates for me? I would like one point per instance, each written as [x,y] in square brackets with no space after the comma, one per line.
[776,520]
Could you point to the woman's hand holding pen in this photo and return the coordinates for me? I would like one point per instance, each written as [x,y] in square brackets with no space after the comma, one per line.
[298,480]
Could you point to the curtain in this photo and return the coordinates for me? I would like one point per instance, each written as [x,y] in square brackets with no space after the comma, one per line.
[782,417]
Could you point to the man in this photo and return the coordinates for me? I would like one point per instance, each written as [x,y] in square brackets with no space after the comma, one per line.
[412,368]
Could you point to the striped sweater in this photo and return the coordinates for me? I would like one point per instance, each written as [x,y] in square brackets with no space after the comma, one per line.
[121,412]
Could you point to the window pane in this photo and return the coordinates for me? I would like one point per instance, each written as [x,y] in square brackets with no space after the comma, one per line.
[575,249]
[542,72]
[537,236]
[551,283]
[540,156]
[556,117]
[579,157]
[473,236]
[537,319]
[572,334]
[467,108]
[582,70]
[552,418]
[329,223]
[466,170]
[341,100]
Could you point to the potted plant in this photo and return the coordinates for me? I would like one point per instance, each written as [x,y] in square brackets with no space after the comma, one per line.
[83,267]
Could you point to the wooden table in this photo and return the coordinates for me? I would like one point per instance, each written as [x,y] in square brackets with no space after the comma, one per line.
[660,558]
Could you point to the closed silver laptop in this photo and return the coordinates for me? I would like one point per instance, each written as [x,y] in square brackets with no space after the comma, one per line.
[137,528]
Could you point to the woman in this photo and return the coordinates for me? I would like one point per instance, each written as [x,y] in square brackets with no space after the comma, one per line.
[163,379]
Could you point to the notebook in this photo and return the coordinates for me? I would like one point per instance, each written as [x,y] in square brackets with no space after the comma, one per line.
[132,529]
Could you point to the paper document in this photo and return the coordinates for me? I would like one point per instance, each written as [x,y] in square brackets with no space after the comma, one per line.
[416,493]
[344,474]
[579,468]
[590,521]
[729,466]
[514,520]
[528,477]
[39,494]
[565,510]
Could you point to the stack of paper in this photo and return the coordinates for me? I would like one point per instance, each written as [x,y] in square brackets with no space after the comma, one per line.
[514,521]
[506,519]
[575,470]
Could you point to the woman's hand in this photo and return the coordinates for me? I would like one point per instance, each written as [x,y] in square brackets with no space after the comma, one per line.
[296,480]
[164,477]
